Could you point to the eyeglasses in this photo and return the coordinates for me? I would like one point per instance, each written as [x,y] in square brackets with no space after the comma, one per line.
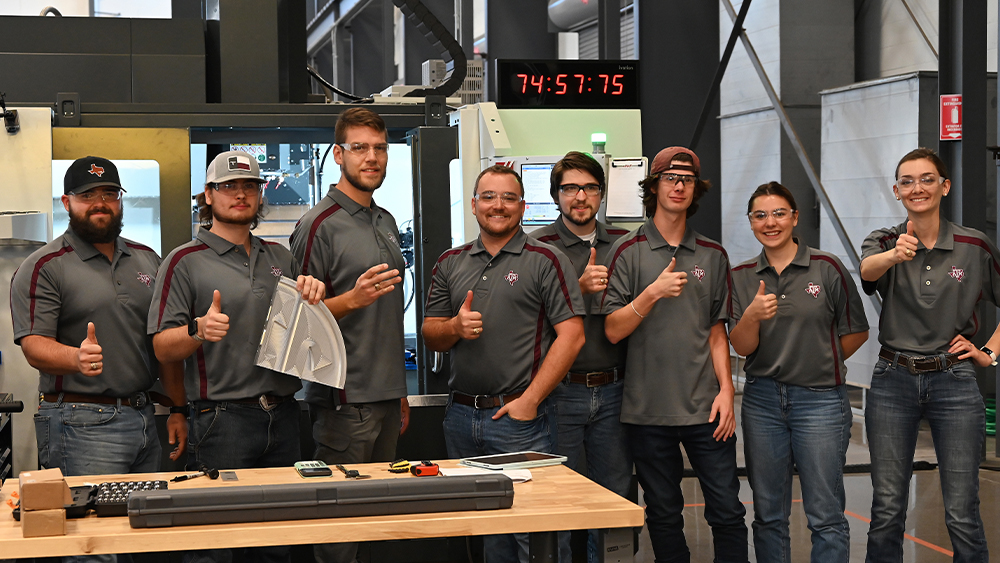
[90,196]
[574,189]
[507,198]
[674,178]
[248,188]
[760,216]
[361,149]
[925,181]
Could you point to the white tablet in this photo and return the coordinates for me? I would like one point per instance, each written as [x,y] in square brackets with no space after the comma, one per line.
[516,460]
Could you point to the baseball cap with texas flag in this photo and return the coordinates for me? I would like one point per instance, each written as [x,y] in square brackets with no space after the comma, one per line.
[90,172]
[232,165]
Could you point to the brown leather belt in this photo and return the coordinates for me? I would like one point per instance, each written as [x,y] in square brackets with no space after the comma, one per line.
[920,364]
[137,400]
[484,401]
[595,378]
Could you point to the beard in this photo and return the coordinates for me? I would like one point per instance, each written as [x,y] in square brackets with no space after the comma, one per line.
[498,232]
[568,214]
[88,231]
[247,218]
[357,183]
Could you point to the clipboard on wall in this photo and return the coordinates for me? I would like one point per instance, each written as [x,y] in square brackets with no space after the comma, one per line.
[624,195]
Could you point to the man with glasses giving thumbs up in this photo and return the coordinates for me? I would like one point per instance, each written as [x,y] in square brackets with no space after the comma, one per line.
[668,293]
[510,311]
[86,288]
[209,308]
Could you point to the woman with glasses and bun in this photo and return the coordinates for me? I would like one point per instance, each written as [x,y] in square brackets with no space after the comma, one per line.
[932,275]
[797,316]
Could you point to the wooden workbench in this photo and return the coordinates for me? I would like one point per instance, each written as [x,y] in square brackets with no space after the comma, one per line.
[556,498]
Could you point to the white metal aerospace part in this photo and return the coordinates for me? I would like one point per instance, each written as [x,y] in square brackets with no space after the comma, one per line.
[302,340]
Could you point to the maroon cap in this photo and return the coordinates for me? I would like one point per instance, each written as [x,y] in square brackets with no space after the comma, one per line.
[663,158]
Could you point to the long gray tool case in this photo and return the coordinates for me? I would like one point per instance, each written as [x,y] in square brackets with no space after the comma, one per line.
[303,501]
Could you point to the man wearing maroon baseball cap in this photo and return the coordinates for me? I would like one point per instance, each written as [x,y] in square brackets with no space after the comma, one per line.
[668,293]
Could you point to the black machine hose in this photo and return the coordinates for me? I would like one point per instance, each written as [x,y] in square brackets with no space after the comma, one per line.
[438,36]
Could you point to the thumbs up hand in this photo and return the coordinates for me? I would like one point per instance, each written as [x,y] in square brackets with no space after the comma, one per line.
[669,283]
[763,307]
[214,324]
[468,323]
[906,245]
[595,276]
[90,359]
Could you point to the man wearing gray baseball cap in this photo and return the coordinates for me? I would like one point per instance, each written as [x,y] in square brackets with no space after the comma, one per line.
[242,415]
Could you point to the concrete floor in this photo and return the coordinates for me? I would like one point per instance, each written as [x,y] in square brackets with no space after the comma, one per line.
[926,536]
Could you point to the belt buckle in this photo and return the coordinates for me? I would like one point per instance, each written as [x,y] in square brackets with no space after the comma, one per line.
[475,402]
[910,365]
[589,385]
[138,400]
[265,404]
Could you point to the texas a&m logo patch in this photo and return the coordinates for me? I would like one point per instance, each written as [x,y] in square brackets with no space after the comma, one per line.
[957,273]
[276,271]
[96,170]
[511,277]
[698,272]
[814,290]
[145,279]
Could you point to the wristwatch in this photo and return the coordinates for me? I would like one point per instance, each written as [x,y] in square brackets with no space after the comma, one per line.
[993,356]
[183,409]
[193,329]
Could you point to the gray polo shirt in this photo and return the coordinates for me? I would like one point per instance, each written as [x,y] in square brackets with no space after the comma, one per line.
[599,353]
[337,241]
[669,377]
[521,292]
[818,302]
[929,300]
[188,278]
[68,283]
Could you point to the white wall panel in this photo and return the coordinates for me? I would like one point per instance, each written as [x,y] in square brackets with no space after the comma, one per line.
[751,147]
[741,89]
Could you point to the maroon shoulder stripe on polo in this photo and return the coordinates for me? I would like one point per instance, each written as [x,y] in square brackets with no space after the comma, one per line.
[312,233]
[536,360]
[270,243]
[619,232]
[729,274]
[559,272]
[548,238]
[170,275]
[745,266]
[614,260]
[34,278]
[843,284]
[445,254]
[140,247]
[976,241]
[837,377]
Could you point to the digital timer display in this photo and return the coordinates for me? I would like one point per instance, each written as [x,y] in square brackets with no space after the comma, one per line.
[568,84]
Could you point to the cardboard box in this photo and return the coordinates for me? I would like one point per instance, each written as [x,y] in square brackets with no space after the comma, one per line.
[45,489]
[40,523]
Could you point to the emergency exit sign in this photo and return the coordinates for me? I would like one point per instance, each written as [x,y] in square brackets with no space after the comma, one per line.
[951,117]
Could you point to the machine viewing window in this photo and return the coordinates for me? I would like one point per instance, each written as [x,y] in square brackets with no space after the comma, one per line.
[539,209]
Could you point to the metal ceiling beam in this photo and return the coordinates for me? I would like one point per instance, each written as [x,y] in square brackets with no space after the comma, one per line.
[807,165]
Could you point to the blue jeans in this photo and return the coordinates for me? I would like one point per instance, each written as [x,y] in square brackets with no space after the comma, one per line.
[471,432]
[95,439]
[810,428]
[588,422]
[226,435]
[660,468]
[951,403]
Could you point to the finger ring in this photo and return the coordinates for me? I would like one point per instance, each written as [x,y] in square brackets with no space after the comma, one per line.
[94,365]
[604,280]
[909,252]
[477,330]
[378,286]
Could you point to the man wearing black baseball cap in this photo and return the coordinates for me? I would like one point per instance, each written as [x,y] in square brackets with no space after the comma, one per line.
[89,287]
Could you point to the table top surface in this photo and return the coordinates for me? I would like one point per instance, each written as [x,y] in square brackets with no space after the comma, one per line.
[556,498]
